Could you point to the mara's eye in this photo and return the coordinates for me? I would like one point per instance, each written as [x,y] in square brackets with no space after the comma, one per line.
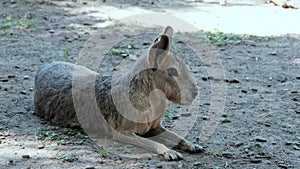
[156,40]
[172,72]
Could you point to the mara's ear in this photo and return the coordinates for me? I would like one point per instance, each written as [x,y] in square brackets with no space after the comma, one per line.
[159,50]
[169,31]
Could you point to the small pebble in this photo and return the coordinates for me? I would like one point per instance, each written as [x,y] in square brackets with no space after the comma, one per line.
[11,76]
[26,77]
[297,110]
[296,147]
[273,143]
[283,80]
[204,78]
[159,166]
[254,160]
[18,112]
[260,139]
[4,80]
[298,77]
[175,117]
[268,124]
[51,31]
[31,89]
[13,1]
[145,43]
[283,166]
[254,90]
[226,121]
[41,147]
[124,55]
[244,91]
[87,23]
[205,118]
[23,92]
[210,78]
[288,143]
[237,144]
[225,115]
[232,81]
[89,167]
[273,53]
[25,156]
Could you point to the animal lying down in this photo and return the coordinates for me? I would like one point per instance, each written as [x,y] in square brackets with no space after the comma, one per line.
[128,107]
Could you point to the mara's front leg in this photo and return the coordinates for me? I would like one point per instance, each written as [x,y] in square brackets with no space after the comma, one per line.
[180,142]
[148,145]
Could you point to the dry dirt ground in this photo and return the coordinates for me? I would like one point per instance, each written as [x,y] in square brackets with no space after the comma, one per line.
[259,127]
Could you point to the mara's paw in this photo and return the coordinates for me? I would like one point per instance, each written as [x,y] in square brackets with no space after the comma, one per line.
[192,148]
[172,155]
[195,148]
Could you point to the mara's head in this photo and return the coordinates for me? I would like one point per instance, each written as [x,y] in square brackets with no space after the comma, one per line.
[172,76]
